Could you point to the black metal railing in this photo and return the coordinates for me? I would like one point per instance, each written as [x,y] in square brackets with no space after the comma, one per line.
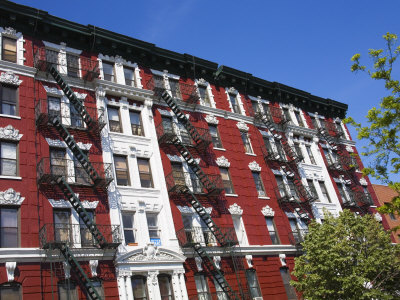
[189,236]
[271,155]
[84,67]
[165,134]
[77,235]
[181,181]
[50,169]
[46,109]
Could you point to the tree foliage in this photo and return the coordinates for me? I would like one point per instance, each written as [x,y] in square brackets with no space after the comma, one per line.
[348,257]
[382,131]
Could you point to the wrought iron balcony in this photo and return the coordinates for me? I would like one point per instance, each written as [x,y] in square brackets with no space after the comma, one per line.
[360,197]
[166,134]
[186,93]
[46,109]
[180,182]
[49,169]
[296,237]
[77,236]
[292,193]
[189,236]
[73,66]
[271,155]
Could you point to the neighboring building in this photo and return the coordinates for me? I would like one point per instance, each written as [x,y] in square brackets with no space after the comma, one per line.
[134,172]
[385,194]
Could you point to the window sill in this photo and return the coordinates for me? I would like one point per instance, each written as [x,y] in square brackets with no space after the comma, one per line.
[219,149]
[231,195]
[10,116]
[251,154]
[264,197]
[10,177]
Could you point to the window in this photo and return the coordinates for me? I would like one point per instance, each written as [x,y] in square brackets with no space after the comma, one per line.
[314,122]
[339,128]
[146,180]
[188,227]
[253,283]
[139,287]
[392,216]
[196,185]
[98,287]
[9,49]
[268,146]
[76,118]
[324,192]
[154,231]
[273,233]
[226,180]
[165,284]
[129,228]
[254,105]
[297,235]
[202,287]
[298,151]
[322,123]
[342,191]
[235,106]
[136,123]
[367,196]
[220,292]
[216,140]
[286,114]
[281,152]
[267,111]
[9,97]
[298,118]
[81,176]
[246,142]
[86,235]
[54,107]
[8,227]
[310,155]
[121,170]
[58,163]
[10,291]
[204,95]
[67,291]
[62,226]
[129,76]
[259,184]
[311,188]
[108,72]
[113,119]
[8,159]
[167,125]
[185,137]
[177,174]
[72,65]
[174,86]
[290,293]
[328,157]
[281,186]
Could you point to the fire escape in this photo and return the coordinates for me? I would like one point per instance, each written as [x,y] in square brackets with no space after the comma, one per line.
[344,164]
[202,187]
[298,198]
[97,176]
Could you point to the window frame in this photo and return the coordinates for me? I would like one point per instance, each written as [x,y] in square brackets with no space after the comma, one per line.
[144,283]
[153,228]
[127,170]
[246,142]
[225,182]
[176,92]
[170,295]
[215,136]
[324,191]
[259,185]
[276,240]
[255,291]
[110,126]
[72,70]
[131,229]
[17,226]
[67,287]
[106,76]
[129,82]
[201,279]
[3,50]
[149,173]
[310,155]
[11,285]
[138,131]
[204,96]
[9,102]
[234,104]
[16,160]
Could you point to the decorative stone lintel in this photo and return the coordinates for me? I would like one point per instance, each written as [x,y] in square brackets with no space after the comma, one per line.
[65,204]
[10,78]
[267,211]
[93,266]
[222,161]
[11,197]
[232,90]
[202,81]
[242,126]
[363,181]
[254,166]
[235,209]
[282,258]
[10,268]
[10,32]
[198,261]
[10,133]
[211,119]
[249,260]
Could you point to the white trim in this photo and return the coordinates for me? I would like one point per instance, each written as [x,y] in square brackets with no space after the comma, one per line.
[9,77]
[222,161]
[11,197]
[267,211]
[62,46]
[10,133]
[65,204]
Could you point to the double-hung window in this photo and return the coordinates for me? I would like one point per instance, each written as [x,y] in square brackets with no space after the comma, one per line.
[165,285]
[216,140]
[9,96]
[58,163]
[204,95]
[234,103]
[129,227]
[311,188]
[108,72]
[253,283]
[136,123]
[8,158]
[86,236]
[202,287]
[129,76]
[298,118]
[324,192]
[286,114]
[246,142]
[114,119]
[259,183]
[146,179]
[54,107]
[154,231]
[62,226]
[121,170]
[72,65]
[342,191]
[310,155]
[67,291]
[174,86]
[298,151]
[139,287]
[76,118]
[226,180]
[273,233]
[9,49]
[8,227]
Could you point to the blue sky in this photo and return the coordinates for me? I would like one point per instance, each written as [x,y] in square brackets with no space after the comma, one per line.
[305,44]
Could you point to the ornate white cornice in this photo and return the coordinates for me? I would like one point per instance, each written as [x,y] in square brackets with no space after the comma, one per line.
[202,82]
[211,119]
[10,133]
[254,166]
[11,197]
[232,90]
[363,181]
[100,92]
[10,268]
[191,210]
[152,254]
[10,32]
[242,126]
[10,78]
[235,209]
[267,211]
[92,205]
[222,161]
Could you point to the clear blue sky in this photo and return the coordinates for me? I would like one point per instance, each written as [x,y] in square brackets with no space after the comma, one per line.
[305,44]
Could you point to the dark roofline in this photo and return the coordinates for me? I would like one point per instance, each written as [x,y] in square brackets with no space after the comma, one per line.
[42,25]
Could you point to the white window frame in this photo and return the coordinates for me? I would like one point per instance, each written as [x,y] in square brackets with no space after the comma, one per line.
[11,33]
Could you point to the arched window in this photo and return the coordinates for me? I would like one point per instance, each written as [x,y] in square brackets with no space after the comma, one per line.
[139,287]
[165,284]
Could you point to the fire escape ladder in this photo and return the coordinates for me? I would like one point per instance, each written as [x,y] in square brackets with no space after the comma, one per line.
[80,273]
[77,205]
[240,271]
[196,136]
[216,273]
[73,99]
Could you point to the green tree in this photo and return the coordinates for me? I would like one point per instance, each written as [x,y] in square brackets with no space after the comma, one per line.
[348,257]
[382,131]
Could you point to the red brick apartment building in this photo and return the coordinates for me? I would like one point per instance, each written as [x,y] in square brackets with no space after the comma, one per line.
[123,176]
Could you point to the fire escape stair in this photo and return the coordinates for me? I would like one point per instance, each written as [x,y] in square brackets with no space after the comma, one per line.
[80,273]
[196,136]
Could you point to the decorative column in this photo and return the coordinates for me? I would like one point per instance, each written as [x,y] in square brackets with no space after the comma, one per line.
[121,288]
[128,287]
[181,274]
[152,285]
[176,285]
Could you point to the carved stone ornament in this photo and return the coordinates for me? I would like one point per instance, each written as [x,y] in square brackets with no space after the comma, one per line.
[10,268]
[67,270]
[211,119]
[235,209]
[92,205]
[174,158]
[282,258]
[202,81]
[378,217]
[10,133]
[363,181]
[254,166]
[119,61]
[11,197]
[242,126]
[267,211]
[198,261]
[53,90]
[232,90]
[153,277]
[10,78]
[249,260]
[222,161]
[349,148]
[151,253]
[217,261]
[100,92]
[10,32]
[93,267]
